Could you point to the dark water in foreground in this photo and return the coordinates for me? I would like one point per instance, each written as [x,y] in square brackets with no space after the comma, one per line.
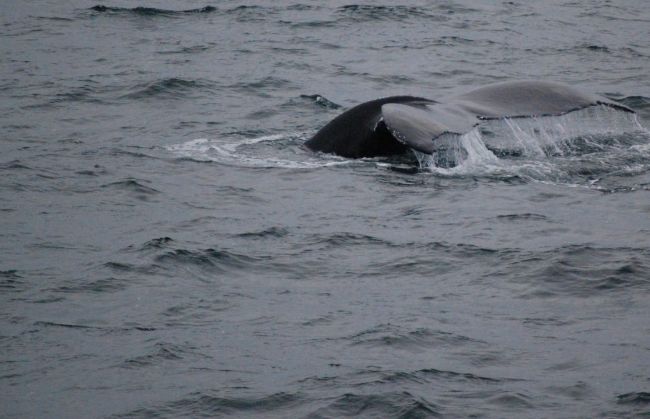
[168,248]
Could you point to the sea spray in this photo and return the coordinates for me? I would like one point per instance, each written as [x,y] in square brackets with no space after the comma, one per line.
[513,143]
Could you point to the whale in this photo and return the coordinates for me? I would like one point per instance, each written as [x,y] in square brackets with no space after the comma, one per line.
[396,124]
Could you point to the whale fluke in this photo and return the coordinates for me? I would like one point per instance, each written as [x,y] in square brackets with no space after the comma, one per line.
[361,132]
[394,124]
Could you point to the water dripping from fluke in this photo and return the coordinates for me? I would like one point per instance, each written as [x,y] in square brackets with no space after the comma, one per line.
[575,149]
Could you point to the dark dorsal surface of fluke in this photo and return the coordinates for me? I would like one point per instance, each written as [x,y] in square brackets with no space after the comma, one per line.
[361,132]
[395,124]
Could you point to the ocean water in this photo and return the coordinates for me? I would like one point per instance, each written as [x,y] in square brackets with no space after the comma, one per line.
[168,247]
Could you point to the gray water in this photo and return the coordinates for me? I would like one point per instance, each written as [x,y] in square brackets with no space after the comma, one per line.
[168,248]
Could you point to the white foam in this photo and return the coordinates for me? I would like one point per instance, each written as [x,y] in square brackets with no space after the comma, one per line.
[544,149]
[643,148]
[460,155]
[243,153]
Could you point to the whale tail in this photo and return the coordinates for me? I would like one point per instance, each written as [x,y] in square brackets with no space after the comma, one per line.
[394,124]
[361,130]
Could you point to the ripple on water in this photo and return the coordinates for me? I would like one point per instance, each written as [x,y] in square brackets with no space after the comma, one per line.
[102,285]
[366,12]
[321,101]
[637,398]
[159,354]
[159,243]
[133,187]
[398,404]
[14,165]
[583,271]
[200,404]
[93,328]
[634,404]
[165,256]
[411,340]
[150,11]
[271,233]
[170,88]
[208,259]
[11,281]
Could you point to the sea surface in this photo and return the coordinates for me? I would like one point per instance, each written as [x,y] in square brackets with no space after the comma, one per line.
[169,248]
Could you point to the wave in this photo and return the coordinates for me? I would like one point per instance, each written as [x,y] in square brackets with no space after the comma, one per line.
[103,285]
[159,243]
[132,185]
[639,398]
[161,353]
[11,281]
[641,104]
[398,404]
[129,268]
[161,257]
[582,271]
[242,13]
[321,101]
[104,329]
[395,337]
[200,404]
[210,260]
[272,232]
[342,239]
[373,377]
[366,12]
[151,11]
[251,13]
[170,88]
[14,165]
[194,49]
[85,94]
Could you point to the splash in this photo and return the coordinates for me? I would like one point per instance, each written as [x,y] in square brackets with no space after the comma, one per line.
[268,151]
[458,154]
[577,148]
